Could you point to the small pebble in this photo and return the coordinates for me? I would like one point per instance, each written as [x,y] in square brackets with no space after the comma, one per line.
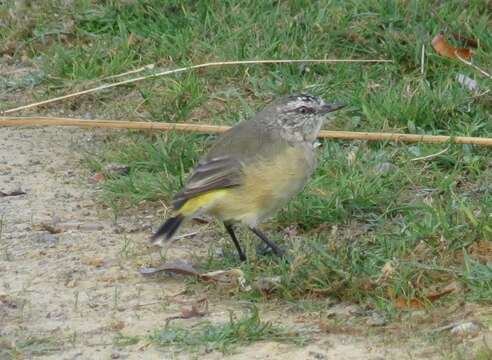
[118,229]
[316,355]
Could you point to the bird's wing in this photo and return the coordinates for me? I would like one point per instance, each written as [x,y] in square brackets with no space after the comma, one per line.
[216,173]
[223,165]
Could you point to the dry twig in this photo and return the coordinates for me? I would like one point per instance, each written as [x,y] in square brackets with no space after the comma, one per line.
[202,128]
[430,156]
[187,68]
[134,71]
[469,63]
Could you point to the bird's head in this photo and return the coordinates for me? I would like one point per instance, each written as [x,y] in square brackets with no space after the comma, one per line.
[300,117]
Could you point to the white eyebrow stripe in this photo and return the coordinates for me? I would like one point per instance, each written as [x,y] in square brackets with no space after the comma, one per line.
[307,98]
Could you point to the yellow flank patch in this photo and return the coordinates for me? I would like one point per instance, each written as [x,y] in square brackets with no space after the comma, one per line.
[267,185]
[202,201]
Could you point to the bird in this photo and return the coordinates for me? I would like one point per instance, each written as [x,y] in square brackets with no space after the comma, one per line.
[253,169]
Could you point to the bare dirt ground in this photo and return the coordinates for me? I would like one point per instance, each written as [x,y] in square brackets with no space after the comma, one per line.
[75,290]
[70,278]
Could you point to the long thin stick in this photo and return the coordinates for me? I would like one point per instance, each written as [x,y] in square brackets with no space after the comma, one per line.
[430,156]
[469,63]
[187,68]
[134,71]
[140,125]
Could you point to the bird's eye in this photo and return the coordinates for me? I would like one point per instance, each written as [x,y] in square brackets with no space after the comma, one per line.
[303,110]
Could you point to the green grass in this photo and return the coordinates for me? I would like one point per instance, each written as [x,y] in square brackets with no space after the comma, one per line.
[224,337]
[368,203]
[125,340]
[29,347]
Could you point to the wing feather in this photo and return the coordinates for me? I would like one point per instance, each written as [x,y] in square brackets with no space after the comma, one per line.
[222,167]
[216,173]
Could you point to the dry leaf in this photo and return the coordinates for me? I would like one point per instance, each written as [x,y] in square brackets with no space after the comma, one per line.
[95,262]
[408,304]
[12,193]
[481,251]
[466,40]
[198,308]
[97,177]
[117,325]
[443,48]
[50,228]
[421,302]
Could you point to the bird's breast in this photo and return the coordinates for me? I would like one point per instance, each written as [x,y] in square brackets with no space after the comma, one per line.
[267,184]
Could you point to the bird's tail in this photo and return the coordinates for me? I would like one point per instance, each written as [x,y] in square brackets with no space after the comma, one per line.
[187,208]
[168,229]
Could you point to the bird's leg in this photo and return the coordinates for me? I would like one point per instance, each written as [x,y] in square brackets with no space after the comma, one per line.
[278,251]
[230,230]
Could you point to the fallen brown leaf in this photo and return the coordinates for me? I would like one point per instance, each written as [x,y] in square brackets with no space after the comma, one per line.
[12,193]
[50,228]
[408,304]
[481,251]
[95,262]
[443,48]
[421,302]
[117,325]
[470,42]
[199,308]
[97,177]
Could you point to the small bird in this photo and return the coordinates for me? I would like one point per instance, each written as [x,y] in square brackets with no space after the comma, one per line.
[253,169]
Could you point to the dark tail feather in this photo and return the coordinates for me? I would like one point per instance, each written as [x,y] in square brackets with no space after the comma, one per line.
[168,229]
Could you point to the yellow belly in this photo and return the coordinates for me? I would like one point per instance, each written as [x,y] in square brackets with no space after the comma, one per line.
[267,186]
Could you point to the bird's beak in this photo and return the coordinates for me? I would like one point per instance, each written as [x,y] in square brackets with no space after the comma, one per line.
[328,108]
